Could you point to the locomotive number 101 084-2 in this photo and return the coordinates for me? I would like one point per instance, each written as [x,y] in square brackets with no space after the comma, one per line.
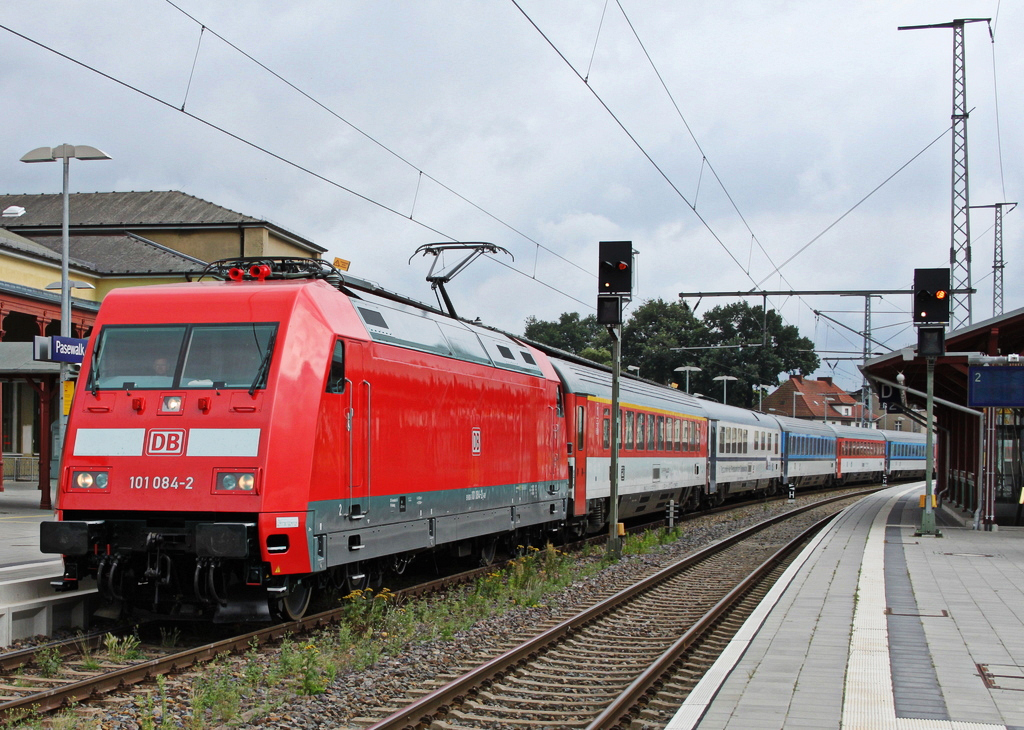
[156,482]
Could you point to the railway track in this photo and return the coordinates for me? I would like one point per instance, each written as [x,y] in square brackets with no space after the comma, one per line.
[595,670]
[59,674]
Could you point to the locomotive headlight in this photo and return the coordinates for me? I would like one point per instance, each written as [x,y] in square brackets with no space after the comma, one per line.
[171,404]
[89,480]
[236,481]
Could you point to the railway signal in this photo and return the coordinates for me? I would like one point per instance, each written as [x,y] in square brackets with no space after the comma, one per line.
[931,295]
[615,268]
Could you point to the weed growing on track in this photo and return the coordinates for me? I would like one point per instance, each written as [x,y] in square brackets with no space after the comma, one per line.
[124,649]
[218,693]
[169,638]
[151,719]
[392,623]
[383,624]
[49,661]
[646,541]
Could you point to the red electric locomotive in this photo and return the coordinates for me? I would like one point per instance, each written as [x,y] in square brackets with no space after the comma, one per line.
[232,443]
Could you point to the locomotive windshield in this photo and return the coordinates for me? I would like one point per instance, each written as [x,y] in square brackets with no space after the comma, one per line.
[183,356]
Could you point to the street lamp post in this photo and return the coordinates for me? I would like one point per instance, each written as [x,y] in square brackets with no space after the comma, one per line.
[634,369]
[725,382]
[761,389]
[688,369]
[64,152]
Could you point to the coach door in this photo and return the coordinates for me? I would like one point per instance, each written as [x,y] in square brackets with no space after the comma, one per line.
[357,434]
[578,462]
[713,457]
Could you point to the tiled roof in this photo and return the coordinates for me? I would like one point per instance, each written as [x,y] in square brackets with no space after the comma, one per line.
[120,254]
[168,207]
[803,398]
[131,210]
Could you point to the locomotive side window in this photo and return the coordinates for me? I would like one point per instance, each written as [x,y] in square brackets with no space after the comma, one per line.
[336,376]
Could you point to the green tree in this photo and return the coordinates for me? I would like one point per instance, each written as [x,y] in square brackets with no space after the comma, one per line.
[581,336]
[752,347]
[653,330]
[735,339]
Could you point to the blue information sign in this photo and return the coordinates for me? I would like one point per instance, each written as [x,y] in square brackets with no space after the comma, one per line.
[67,349]
[996,386]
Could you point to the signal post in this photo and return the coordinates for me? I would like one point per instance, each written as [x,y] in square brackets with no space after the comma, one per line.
[931,313]
[614,289]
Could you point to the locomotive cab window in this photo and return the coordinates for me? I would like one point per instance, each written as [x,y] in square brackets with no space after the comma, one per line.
[183,356]
[336,376]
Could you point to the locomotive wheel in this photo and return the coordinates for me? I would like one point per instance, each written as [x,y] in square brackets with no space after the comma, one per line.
[293,606]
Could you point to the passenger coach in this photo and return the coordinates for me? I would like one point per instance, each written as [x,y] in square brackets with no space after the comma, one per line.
[663,445]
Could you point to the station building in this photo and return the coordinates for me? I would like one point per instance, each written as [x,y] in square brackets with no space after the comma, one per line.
[115,240]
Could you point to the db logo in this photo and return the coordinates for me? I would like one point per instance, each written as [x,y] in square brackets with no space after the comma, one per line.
[165,443]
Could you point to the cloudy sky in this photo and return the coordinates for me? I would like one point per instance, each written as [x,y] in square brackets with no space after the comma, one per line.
[723,139]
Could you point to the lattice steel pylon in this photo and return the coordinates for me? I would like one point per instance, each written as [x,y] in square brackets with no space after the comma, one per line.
[960,238]
[997,260]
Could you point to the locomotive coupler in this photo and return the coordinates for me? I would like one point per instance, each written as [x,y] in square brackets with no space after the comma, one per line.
[158,568]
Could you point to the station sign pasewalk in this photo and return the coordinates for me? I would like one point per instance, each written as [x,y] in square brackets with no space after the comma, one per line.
[59,349]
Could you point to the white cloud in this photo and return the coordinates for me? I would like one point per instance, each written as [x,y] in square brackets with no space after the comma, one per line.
[802,109]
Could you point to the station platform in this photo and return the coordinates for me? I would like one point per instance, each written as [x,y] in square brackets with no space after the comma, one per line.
[19,521]
[876,627]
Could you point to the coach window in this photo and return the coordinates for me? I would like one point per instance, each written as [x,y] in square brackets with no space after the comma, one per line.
[581,422]
[661,433]
[606,429]
[641,430]
[336,377]
[629,430]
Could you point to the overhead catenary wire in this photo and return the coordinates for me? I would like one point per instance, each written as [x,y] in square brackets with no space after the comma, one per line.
[279,157]
[373,139]
[692,205]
